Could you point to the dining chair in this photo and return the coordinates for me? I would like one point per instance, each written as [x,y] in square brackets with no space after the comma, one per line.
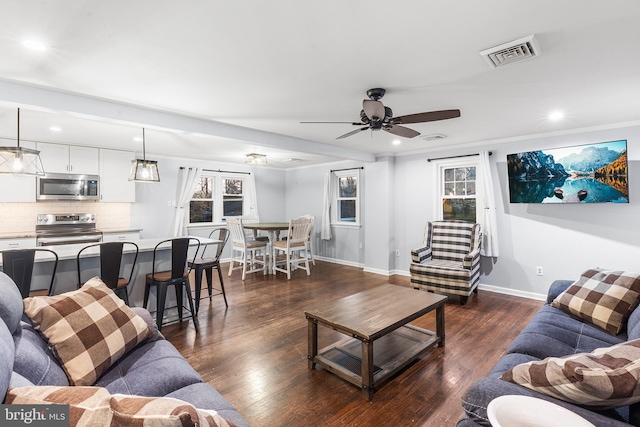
[253,234]
[206,264]
[18,264]
[309,240]
[245,250]
[110,258]
[178,277]
[294,248]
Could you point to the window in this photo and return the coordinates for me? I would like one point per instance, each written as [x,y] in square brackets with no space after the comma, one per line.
[201,205]
[218,196]
[457,194]
[232,198]
[347,201]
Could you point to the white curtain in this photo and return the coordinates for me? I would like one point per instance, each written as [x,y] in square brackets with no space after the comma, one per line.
[253,198]
[188,179]
[325,233]
[487,218]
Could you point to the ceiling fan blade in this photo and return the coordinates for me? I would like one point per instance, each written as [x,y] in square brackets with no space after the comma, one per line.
[349,123]
[353,132]
[402,131]
[373,109]
[430,116]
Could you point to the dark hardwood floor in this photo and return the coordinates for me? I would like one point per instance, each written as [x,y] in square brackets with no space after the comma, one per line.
[255,352]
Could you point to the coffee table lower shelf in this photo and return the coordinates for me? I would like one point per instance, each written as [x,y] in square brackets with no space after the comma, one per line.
[391,353]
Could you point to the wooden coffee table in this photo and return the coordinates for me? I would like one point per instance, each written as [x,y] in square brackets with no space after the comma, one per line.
[379,315]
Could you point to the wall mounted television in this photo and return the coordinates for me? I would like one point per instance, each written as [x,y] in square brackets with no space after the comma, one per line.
[590,173]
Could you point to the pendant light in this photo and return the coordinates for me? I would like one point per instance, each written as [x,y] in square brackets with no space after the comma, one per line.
[143,170]
[19,160]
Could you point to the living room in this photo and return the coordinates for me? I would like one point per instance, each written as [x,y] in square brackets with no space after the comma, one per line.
[503,110]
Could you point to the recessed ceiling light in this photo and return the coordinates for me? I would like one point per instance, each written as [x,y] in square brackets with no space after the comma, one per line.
[396,142]
[55,129]
[34,45]
[137,139]
[556,115]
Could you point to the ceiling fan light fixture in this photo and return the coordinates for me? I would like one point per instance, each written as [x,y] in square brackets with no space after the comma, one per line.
[19,160]
[143,170]
[255,159]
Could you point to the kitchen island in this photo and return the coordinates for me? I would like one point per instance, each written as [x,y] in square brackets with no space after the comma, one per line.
[67,272]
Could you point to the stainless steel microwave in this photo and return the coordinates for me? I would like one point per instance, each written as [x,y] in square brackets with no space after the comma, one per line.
[54,186]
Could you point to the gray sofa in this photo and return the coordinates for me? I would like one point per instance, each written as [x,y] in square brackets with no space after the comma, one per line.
[154,368]
[550,333]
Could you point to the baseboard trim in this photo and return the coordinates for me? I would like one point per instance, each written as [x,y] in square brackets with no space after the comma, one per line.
[338,261]
[513,292]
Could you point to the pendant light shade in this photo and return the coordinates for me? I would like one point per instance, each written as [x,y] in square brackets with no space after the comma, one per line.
[19,160]
[143,170]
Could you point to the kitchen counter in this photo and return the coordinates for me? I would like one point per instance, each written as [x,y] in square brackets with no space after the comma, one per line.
[67,271]
[18,235]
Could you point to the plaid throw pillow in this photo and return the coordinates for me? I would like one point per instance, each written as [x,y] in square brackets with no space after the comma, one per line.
[605,378]
[88,329]
[94,406]
[603,298]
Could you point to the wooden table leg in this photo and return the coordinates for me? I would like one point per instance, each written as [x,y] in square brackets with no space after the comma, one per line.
[440,324]
[367,370]
[312,347]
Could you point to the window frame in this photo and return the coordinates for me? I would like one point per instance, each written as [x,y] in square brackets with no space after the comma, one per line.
[335,219]
[439,169]
[218,194]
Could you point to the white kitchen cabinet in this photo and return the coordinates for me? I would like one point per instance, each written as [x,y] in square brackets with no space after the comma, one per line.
[114,176]
[18,188]
[60,158]
[121,237]
[19,243]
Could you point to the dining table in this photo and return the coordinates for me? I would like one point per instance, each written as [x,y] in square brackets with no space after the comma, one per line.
[273,229]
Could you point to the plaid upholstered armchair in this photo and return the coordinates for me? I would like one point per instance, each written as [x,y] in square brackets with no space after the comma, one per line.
[449,261]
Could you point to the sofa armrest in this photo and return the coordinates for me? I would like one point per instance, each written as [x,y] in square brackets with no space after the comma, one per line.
[556,288]
[421,254]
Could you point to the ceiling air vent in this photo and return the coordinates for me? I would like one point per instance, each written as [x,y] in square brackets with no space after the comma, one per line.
[433,136]
[517,50]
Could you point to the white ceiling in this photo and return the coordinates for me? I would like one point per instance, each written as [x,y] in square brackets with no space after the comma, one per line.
[185,70]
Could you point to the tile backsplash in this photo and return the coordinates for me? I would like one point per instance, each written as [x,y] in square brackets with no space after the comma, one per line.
[21,217]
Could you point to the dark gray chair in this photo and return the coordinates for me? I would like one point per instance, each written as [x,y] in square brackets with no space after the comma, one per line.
[110,264]
[18,264]
[208,263]
[178,277]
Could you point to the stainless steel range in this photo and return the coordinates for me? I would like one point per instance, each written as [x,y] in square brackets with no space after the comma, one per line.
[64,229]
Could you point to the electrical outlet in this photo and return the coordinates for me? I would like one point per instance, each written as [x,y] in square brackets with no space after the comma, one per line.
[539,271]
[397,252]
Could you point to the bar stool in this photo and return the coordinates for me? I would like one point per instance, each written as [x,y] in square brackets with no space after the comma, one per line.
[18,264]
[178,276]
[110,263]
[207,264]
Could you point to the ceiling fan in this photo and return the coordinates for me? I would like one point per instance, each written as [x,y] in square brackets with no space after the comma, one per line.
[375,116]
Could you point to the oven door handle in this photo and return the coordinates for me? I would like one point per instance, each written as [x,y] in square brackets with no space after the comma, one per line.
[50,241]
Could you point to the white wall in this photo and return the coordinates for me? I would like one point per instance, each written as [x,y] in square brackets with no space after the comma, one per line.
[564,239]
[304,195]
[151,211]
